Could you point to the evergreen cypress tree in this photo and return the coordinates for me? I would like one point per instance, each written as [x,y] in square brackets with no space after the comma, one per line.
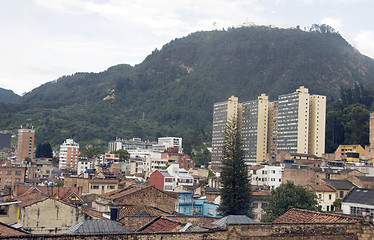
[236,189]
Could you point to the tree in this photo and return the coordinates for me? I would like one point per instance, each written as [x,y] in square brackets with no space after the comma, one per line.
[236,189]
[287,196]
[91,152]
[123,154]
[44,150]
[201,157]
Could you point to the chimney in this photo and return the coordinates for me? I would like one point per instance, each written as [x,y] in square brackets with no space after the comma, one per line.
[114,212]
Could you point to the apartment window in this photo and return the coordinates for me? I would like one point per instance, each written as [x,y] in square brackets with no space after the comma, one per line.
[18,172]
[341,194]
[8,172]
[329,198]
[264,205]
[254,205]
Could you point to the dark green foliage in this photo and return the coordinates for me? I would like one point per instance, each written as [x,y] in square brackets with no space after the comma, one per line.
[347,121]
[91,152]
[123,154]
[8,96]
[236,189]
[192,140]
[173,90]
[201,157]
[287,196]
[44,150]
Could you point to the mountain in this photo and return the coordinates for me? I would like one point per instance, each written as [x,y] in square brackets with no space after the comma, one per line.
[8,96]
[173,90]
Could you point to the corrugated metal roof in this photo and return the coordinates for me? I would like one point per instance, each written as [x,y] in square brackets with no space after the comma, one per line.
[98,226]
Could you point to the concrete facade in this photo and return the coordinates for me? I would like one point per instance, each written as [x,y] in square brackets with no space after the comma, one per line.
[222,113]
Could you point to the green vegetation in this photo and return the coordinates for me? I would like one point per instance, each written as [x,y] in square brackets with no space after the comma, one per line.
[44,150]
[236,191]
[287,196]
[123,154]
[172,92]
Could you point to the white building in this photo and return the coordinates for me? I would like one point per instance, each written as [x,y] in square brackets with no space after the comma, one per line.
[180,176]
[68,156]
[167,142]
[83,165]
[266,175]
[326,196]
[359,202]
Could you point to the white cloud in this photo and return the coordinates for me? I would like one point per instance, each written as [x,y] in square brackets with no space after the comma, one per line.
[364,42]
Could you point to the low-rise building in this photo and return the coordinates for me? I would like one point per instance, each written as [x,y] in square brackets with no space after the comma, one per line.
[326,196]
[11,175]
[359,202]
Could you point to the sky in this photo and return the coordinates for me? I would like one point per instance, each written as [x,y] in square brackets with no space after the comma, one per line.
[42,40]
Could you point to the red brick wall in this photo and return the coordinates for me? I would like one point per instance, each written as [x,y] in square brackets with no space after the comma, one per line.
[157,179]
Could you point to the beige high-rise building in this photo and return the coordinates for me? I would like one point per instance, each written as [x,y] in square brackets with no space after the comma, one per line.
[369,150]
[25,144]
[293,121]
[255,129]
[273,127]
[222,113]
[317,125]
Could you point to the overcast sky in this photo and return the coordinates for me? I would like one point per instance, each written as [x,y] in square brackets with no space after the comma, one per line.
[42,40]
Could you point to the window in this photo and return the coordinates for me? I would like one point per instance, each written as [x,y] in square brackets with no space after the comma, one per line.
[329,198]
[254,205]
[18,172]
[341,194]
[8,172]
[264,205]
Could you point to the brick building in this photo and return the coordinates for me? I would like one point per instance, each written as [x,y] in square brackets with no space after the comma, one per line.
[25,144]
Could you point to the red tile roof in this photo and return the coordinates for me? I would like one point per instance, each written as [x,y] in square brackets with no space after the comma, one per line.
[131,189]
[133,210]
[163,225]
[29,199]
[296,215]
[6,230]
[321,188]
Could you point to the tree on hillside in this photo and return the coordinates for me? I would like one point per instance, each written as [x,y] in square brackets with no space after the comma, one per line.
[123,154]
[287,196]
[236,188]
[91,152]
[44,150]
[201,157]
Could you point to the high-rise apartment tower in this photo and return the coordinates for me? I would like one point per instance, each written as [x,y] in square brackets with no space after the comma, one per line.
[25,144]
[223,112]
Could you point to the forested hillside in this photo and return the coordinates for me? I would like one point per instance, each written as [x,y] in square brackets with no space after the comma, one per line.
[173,90]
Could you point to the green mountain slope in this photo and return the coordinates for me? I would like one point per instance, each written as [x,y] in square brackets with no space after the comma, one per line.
[8,96]
[173,90]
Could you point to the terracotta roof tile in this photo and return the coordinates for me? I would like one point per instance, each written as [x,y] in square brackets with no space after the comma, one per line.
[321,188]
[6,230]
[134,210]
[296,215]
[163,225]
[31,198]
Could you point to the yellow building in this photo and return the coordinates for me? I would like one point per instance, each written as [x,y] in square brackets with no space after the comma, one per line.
[317,125]
[351,153]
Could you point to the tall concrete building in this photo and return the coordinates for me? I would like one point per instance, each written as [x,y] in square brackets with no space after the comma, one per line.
[273,127]
[293,121]
[25,144]
[222,113]
[254,127]
[317,125]
[69,153]
[369,150]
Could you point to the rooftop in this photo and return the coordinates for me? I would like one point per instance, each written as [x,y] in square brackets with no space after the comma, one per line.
[296,215]
[360,195]
[98,226]
[339,184]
